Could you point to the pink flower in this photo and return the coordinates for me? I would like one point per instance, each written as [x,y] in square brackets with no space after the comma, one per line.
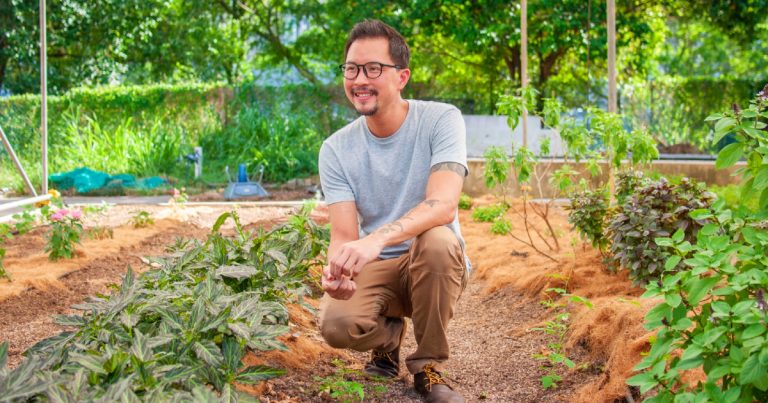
[176,192]
[57,216]
[76,214]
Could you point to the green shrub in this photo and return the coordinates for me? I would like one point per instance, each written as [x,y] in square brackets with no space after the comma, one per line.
[588,215]
[465,202]
[627,182]
[501,226]
[714,313]
[657,209]
[489,213]
[496,169]
[735,198]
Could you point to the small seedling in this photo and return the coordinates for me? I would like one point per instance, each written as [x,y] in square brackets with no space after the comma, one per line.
[65,232]
[465,202]
[100,232]
[142,219]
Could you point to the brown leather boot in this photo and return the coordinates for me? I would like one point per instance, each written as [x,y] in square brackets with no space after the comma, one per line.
[386,363]
[431,385]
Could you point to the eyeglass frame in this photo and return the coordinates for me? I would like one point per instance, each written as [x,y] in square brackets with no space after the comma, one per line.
[365,70]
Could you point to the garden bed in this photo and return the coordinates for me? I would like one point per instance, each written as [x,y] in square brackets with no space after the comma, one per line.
[493,344]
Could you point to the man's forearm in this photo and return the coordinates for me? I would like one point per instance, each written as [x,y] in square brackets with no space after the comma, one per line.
[426,215]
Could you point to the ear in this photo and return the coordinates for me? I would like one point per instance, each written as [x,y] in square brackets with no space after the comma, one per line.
[403,75]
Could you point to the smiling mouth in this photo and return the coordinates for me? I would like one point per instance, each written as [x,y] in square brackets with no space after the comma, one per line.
[364,93]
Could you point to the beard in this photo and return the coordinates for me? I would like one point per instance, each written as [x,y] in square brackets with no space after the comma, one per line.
[373,108]
[369,112]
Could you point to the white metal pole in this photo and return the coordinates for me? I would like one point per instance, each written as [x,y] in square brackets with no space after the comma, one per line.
[43,97]
[612,104]
[524,62]
[15,159]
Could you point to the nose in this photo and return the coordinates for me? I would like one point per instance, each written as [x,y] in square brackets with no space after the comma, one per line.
[361,77]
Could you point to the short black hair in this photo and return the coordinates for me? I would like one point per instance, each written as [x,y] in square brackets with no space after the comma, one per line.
[398,49]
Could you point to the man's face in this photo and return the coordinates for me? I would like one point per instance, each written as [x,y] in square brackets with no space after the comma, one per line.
[368,95]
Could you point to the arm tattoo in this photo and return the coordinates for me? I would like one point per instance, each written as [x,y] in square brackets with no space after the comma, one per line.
[391,227]
[431,202]
[450,166]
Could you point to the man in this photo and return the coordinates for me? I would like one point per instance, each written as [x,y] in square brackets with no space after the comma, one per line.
[392,181]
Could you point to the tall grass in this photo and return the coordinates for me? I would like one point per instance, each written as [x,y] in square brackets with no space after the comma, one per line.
[285,143]
[151,148]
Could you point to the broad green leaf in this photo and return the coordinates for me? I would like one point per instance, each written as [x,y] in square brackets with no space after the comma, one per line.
[237,272]
[672,262]
[761,179]
[700,288]
[753,331]
[678,235]
[644,381]
[723,127]
[754,373]
[729,155]
[259,373]
[94,364]
[220,221]
[209,352]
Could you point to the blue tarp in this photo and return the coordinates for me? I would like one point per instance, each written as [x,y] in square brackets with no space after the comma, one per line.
[86,180]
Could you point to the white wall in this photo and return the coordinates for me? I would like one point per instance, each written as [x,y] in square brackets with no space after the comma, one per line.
[484,131]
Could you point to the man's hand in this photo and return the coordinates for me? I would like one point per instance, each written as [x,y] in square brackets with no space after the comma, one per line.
[337,287]
[349,259]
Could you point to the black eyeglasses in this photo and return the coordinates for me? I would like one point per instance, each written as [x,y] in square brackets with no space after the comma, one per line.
[370,69]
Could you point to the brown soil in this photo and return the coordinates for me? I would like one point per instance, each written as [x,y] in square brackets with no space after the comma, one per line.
[491,335]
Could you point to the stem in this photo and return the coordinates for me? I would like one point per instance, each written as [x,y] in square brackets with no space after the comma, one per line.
[539,251]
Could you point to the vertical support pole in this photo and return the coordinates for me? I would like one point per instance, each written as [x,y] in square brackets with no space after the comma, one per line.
[612,104]
[198,162]
[16,162]
[524,62]
[43,97]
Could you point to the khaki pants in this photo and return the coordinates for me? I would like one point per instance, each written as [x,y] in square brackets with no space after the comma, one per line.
[423,284]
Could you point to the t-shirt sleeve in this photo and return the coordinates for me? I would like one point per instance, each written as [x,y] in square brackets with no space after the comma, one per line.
[449,139]
[335,185]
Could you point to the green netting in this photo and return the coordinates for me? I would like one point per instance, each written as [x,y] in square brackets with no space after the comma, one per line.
[86,180]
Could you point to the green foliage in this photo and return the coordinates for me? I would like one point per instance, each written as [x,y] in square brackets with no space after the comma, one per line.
[496,169]
[285,142]
[344,384]
[465,202]
[501,226]
[658,209]
[714,312]
[627,182]
[142,219]
[178,332]
[489,213]
[734,198]
[589,214]
[554,355]
[751,142]
[679,104]
[65,232]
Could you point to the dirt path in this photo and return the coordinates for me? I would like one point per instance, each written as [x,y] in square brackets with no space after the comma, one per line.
[492,351]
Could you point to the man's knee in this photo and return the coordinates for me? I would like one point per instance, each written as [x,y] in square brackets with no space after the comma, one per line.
[438,248]
[335,330]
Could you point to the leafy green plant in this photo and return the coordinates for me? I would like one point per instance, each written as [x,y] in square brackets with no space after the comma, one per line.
[501,226]
[65,232]
[465,202]
[714,313]
[489,213]
[588,215]
[179,197]
[554,356]
[657,209]
[343,386]
[496,170]
[178,332]
[142,219]
[748,129]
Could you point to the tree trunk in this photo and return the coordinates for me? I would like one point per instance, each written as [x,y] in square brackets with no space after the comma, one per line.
[512,60]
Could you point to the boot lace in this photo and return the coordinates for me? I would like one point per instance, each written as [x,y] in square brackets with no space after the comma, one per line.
[383,355]
[433,377]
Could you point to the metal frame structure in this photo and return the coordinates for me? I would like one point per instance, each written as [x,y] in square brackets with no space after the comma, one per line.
[43,127]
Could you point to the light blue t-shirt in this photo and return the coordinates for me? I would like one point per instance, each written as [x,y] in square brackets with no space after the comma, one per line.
[387,177]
